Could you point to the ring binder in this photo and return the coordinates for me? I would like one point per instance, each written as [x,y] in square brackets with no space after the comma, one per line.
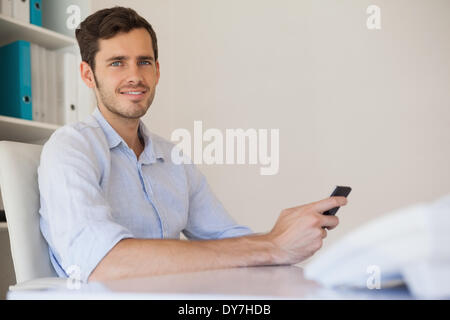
[15,81]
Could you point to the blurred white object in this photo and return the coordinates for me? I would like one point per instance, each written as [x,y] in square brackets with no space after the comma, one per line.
[21,10]
[409,245]
[6,7]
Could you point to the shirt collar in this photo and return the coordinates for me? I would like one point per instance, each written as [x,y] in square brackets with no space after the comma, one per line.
[151,151]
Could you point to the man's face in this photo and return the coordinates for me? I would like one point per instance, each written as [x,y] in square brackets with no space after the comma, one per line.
[126,73]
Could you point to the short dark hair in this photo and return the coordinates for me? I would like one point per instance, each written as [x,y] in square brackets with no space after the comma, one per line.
[105,24]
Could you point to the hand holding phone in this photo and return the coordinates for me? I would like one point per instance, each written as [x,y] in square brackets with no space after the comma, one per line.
[340,191]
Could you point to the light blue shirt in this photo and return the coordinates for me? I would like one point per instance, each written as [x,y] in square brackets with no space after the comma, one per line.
[94,192]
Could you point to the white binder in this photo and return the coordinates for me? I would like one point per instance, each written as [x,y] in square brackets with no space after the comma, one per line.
[67,88]
[86,96]
[36,91]
[6,7]
[51,88]
[44,85]
[21,10]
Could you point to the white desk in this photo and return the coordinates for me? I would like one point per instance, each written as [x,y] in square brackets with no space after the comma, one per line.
[256,283]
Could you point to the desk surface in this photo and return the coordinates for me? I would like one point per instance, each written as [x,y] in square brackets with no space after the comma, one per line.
[275,282]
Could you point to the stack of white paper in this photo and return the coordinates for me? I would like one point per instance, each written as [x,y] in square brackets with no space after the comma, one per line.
[430,277]
[405,245]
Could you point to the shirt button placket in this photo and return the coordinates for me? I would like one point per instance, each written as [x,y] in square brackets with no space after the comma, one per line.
[149,194]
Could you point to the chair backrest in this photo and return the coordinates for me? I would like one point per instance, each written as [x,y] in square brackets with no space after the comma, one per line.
[20,192]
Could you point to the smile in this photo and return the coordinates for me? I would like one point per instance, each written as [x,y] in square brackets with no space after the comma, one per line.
[134,94]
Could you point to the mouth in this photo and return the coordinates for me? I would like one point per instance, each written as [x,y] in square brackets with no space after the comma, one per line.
[134,94]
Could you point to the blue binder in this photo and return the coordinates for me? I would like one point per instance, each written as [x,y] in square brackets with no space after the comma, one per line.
[15,81]
[36,12]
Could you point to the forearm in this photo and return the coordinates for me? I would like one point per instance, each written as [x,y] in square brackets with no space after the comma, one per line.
[141,258]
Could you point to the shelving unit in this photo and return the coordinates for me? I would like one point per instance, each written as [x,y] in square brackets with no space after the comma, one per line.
[12,30]
[19,130]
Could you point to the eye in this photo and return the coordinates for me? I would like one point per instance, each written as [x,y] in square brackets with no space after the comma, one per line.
[145,62]
[116,64]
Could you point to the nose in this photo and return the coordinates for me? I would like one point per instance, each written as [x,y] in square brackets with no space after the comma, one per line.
[134,75]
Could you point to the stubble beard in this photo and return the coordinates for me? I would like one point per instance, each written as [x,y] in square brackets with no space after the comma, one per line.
[111,103]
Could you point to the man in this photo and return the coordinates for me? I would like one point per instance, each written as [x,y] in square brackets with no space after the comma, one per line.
[113,203]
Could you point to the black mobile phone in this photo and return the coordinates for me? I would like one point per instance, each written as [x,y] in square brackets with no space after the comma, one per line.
[340,191]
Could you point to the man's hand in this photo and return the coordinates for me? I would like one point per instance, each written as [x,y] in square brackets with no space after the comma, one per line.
[299,231]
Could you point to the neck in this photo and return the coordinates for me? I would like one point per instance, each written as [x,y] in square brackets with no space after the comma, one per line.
[126,128]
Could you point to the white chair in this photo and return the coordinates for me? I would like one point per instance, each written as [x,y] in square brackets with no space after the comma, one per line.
[20,193]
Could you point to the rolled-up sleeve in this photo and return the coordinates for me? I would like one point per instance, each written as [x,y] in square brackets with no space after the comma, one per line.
[207,218]
[76,219]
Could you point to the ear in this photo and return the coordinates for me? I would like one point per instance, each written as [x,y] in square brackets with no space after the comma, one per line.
[87,74]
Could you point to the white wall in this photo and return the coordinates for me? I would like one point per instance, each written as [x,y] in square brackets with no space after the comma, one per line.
[358,107]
